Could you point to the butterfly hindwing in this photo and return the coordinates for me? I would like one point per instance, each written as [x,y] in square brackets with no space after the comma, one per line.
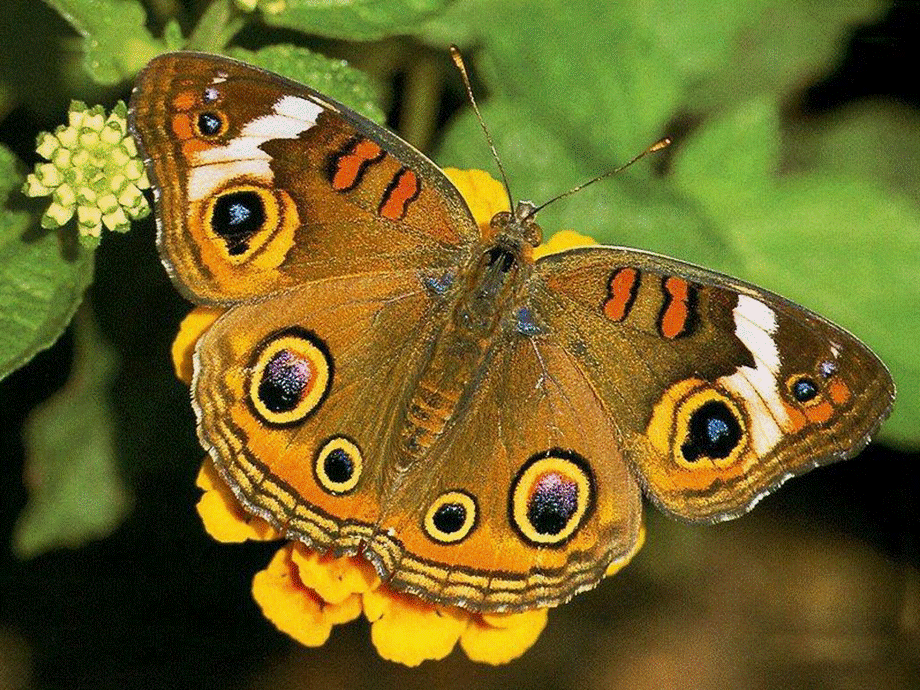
[294,397]
[526,500]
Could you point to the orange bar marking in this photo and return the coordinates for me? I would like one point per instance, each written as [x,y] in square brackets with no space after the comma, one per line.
[675,316]
[192,147]
[182,126]
[839,392]
[621,293]
[402,191]
[185,100]
[349,167]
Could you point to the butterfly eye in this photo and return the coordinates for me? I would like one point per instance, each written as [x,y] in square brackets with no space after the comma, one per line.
[290,377]
[551,497]
[210,124]
[338,465]
[451,517]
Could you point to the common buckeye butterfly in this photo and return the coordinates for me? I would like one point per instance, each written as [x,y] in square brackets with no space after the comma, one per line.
[394,381]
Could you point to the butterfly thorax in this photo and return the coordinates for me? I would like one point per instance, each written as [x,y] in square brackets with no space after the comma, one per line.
[487,292]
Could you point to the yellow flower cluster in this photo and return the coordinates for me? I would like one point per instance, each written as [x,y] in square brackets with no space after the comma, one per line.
[93,169]
[305,593]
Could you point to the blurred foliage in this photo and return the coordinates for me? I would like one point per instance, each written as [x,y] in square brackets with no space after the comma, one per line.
[73,477]
[823,209]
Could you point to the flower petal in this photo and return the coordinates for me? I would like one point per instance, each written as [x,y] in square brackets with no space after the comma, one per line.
[562,240]
[294,608]
[409,631]
[499,638]
[223,517]
[191,329]
[484,195]
[334,579]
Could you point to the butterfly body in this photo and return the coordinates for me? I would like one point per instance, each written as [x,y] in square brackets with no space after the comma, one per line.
[390,379]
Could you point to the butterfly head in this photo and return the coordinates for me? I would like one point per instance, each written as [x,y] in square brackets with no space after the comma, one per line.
[516,229]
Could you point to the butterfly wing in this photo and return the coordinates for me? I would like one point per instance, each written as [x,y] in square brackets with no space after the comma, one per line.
[720,391]
[523,501]
[296,397]
[263,183]
[526,500]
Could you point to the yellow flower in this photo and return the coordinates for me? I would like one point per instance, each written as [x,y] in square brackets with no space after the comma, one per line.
[305,593]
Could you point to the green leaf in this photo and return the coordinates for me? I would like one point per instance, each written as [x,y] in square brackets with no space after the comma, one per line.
[362,20]
[43,275]
[633,209]
[840,245]
[75,492]
[869,140]
[332,77]
[116,43]
[608,78]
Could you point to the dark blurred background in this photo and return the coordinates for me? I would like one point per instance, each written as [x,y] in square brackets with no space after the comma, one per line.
[818,587]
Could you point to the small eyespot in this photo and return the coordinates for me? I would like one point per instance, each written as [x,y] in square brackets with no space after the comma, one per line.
[210,124]
[338,465]
[712,431]
[451,517]
[551,497]
[290,376]
[804,389]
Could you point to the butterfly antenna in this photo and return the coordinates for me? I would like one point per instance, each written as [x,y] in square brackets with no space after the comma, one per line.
[458,61]
[657,146]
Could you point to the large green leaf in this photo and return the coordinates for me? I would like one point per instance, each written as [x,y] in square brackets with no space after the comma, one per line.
[116,42]
[607,78]
[75,491]
[43,275]
[353,19]
[332,77]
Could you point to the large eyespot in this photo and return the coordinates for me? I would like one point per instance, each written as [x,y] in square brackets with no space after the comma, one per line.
[713,432]
[338,465]
[236,216]
[252,224]
[451,517]
[210,124]
[709,426]
[290,376]
[551,497]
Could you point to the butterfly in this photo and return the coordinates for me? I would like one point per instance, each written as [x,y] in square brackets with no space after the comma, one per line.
[391,380]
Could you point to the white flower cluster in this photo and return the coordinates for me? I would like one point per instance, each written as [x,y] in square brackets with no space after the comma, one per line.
[93,170]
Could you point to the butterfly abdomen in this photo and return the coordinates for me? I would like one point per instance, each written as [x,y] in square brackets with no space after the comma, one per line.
[461,350]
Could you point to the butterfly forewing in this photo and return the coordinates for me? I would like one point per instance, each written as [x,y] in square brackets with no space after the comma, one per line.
[264,183]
